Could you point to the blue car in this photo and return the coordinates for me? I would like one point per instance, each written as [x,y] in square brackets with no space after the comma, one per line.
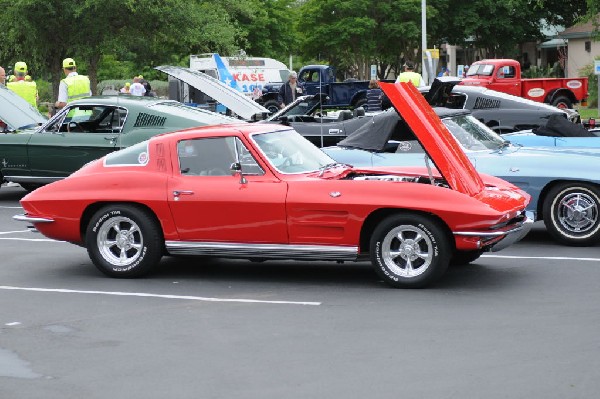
[564,183]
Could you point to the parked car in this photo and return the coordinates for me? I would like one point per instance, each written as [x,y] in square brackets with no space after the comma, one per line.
[83,131]
[557,132]
[505,75]
[262,191]
[501,112]
[563,182]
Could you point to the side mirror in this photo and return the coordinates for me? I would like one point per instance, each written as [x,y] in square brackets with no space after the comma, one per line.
[236,169]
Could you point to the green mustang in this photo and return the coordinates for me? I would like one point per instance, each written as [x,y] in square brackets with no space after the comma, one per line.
[35,151]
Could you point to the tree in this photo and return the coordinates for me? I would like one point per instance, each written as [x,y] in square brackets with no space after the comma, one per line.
[142,29]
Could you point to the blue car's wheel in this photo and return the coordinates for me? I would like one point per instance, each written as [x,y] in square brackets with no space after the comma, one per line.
[410,250]
[572,214]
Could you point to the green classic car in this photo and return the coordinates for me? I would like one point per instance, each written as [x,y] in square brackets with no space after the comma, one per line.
[35,151]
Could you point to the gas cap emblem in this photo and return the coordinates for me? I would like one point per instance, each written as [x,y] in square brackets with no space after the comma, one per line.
[335,194]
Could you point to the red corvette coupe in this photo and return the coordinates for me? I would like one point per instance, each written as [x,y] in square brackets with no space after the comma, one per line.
[260,191]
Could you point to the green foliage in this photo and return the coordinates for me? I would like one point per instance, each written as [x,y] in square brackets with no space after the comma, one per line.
[117,39]
[550,71]
[588,71]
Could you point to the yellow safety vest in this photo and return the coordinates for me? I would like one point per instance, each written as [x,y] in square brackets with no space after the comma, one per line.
[412,77]
[78,86]
[26,90]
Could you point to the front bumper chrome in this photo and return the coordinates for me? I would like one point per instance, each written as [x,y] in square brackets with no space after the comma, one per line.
[29,219]
[510,236]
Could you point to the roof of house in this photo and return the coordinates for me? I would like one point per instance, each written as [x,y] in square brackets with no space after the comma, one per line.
[580,30]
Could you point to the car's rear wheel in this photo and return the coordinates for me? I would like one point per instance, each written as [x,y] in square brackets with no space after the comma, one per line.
[410,250]
[562,102]
[124,241]
[571,213]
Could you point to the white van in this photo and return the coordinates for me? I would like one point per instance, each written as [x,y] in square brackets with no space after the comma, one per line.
[250,73]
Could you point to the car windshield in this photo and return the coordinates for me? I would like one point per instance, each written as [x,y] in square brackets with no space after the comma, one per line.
[472,134]
[289,152]
[480,69]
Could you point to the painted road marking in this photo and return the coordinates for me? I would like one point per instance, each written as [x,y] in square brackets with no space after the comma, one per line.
[18,231]
[148,295]
[541,257]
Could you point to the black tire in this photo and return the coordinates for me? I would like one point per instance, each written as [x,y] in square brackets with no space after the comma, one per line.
[272,106]
[410,250]
[361,103]
[465,257]
[562,102]
[124,241]
[571,214]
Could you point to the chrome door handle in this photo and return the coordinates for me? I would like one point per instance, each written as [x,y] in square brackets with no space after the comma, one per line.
[177,193]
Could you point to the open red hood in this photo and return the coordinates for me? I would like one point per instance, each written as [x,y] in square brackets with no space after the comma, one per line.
[435,138]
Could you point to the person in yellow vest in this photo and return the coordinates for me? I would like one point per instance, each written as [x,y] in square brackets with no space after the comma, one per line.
[409,75]
[73,86]
[25,89]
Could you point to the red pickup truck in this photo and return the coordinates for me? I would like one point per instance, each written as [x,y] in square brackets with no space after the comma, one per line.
[505,75]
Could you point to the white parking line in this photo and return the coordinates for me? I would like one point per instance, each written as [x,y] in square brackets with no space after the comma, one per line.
[143,294]
[541,257]
[29,239]
[10,207]
[17,231]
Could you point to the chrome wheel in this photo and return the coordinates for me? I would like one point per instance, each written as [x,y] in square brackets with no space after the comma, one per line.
[577,212]
[407,251]
[120,241]
[571,213]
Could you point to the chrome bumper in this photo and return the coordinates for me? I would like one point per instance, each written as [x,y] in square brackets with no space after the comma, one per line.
[25,218]
[510,236]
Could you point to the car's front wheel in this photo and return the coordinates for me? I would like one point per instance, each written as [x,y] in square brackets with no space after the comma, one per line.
[410,250]
[571,214]
[124,241]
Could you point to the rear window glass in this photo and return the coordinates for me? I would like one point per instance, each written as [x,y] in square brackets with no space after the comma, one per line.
[136,155]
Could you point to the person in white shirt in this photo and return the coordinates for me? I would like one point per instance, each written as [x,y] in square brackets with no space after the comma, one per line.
[136,88]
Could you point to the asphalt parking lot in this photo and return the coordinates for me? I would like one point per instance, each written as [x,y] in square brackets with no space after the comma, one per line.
[520,323]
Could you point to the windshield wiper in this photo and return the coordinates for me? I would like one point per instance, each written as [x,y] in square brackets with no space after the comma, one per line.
[323,168]
[505,144]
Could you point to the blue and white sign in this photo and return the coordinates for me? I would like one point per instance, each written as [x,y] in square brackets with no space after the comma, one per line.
[373,71]
[597,67]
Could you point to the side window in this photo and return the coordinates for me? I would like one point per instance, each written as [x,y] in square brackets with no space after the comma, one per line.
[506,72]
[111,121]
[88,119]
[205,157]
[305,76]
[247,160]
[214,156]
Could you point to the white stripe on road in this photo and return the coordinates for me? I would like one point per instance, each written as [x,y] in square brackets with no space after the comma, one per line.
[541,257]
[147,295]
[11,207]
[18,231]
[29,239]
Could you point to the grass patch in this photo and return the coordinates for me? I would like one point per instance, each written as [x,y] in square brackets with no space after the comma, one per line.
[587,113]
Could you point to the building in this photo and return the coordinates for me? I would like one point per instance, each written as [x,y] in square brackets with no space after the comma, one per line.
[581,47]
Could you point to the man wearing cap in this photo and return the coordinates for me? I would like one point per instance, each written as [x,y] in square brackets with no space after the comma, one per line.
[409,75]
[290,90]
[27,89]
[73,86]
